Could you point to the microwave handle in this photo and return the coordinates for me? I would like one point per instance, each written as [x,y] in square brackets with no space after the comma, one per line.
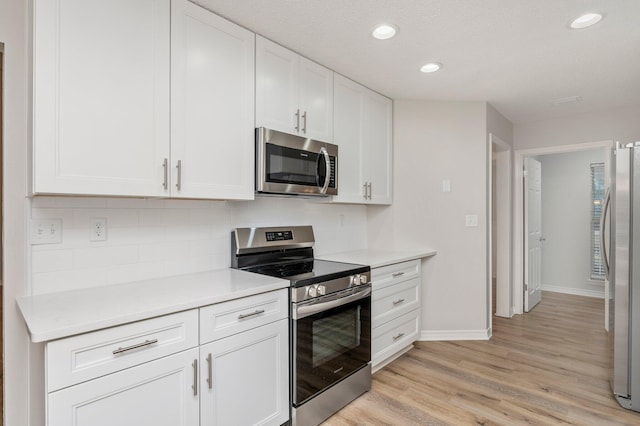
[325,154]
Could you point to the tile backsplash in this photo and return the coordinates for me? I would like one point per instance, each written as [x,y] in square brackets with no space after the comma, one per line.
[152,238]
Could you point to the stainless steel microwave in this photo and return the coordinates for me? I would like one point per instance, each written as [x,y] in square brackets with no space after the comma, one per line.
[289,164]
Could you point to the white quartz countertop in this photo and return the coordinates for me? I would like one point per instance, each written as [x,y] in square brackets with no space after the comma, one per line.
[56,315]
[378,258]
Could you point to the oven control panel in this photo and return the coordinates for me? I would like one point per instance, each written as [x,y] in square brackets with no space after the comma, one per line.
[326,288]
[279,235]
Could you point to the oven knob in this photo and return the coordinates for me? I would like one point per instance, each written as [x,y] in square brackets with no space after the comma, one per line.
[312,292]
[322,290]
[363,279]
[355,280]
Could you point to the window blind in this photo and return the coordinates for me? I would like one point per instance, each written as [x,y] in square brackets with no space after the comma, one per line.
[597,206]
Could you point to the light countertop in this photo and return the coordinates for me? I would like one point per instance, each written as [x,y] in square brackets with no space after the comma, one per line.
[56,315]
[378,258]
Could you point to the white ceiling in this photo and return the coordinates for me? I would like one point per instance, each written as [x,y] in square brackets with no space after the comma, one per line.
[519,55]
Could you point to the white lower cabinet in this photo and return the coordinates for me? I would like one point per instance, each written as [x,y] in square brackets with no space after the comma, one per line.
[395,322]
[157,372]
[157,393]
[244,378]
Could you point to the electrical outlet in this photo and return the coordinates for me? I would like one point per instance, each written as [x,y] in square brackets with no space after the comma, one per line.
[98,229]
[46,231]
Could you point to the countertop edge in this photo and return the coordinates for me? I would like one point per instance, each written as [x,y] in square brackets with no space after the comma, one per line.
[40,334]
[379,258]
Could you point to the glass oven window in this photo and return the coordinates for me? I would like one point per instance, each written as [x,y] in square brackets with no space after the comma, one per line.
[335,335]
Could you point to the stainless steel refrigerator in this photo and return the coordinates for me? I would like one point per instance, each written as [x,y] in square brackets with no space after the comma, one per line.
[624,274]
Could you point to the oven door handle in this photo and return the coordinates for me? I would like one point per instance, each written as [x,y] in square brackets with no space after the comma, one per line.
[307,310]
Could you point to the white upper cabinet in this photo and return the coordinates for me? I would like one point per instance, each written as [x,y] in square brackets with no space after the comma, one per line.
[142,98]
[100,96]
[293,94]
[363,132]
[212,105]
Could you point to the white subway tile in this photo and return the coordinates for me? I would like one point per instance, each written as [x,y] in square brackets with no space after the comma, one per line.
[135,203]
[51,260]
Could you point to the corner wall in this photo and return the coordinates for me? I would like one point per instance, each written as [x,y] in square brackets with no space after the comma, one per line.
[435,141]
[17,374]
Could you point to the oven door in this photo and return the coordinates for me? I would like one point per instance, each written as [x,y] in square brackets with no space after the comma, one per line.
[331,340]
[294,165]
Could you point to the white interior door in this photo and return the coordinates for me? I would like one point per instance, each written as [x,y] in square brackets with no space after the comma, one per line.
[533,233]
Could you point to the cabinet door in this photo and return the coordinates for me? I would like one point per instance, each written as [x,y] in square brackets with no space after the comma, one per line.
[377,155]
[277,83]
[101,96]
[157,393]
[316,101]
[212,105]
[245,378]
[348,108]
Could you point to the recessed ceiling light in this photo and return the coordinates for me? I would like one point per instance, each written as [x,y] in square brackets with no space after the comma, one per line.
[431,67]
[585,21]
[384,32]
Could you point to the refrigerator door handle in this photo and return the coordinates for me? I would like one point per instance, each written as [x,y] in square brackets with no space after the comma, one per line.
[603,244]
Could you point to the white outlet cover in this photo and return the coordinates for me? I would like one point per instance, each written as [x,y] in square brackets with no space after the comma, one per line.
[471,220]
[98,229]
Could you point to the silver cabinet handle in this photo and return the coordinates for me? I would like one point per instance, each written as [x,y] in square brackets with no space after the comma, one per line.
[179,181]
[398,336]
[369,186]
[136,346]
[397,302]
[165,166]
[195,377]
[297,115]
[397,274]
[364,187]
[252,314]
[304,122]
[210,375]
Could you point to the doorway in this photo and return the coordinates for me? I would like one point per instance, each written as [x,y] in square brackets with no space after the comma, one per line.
[520,212]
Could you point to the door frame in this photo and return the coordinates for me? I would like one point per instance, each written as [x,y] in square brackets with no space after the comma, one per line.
[504,226]
[518,207]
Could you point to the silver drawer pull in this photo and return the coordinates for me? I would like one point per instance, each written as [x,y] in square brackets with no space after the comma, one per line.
[195,377]
[397,274]
[136,346]
[252,314]
[397,302]
[398,336]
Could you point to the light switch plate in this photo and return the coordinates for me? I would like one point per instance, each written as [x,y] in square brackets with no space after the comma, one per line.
[46,231]
[471,220]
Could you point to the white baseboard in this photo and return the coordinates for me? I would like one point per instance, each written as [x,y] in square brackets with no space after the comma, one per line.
[576,291]
[435,335]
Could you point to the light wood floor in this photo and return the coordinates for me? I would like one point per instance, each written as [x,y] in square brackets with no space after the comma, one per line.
[544,368]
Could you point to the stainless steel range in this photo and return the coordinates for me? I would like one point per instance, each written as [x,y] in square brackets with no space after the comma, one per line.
[330,317]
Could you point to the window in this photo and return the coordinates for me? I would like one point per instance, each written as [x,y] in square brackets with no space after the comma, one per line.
[597,206]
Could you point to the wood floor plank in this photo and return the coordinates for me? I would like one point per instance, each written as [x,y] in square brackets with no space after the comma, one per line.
[547,367]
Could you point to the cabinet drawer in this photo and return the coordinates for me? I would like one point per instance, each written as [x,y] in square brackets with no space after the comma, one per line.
[87,356]
[395,300]
[392,274]
[391,337]
[224,319]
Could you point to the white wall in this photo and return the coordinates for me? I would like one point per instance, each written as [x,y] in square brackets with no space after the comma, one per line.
[566,222]
[156,238]
[435,141]
[13,33]
[621,124]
